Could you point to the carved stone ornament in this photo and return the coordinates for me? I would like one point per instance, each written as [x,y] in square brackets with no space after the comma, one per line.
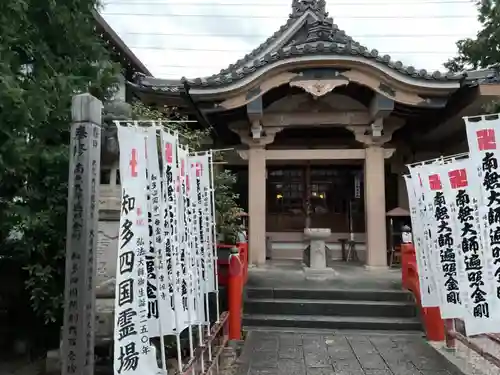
[114,110]
[299,7]
[318,88]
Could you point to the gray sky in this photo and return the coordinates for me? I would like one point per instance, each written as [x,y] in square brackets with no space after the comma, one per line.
[194,38]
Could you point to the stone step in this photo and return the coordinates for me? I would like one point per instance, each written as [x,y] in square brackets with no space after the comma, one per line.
[328,332]
[331,322]
[329,294]
[330,307]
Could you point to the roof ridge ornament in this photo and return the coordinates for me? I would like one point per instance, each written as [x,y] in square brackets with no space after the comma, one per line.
[324,30]
[299,7]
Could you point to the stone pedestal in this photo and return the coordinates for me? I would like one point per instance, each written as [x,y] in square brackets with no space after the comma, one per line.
[316,264]
[317,252]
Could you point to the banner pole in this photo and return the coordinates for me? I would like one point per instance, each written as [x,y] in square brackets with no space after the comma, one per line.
[214,235]
[175,257]
[441,158]
[194,242]
[185,228]
[204,215]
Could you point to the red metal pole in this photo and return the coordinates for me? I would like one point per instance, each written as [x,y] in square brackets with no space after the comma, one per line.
[407,251]
[434,326]
[243,249]
[235,294]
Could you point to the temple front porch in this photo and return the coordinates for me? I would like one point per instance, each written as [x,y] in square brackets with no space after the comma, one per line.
[289,190]
[289,274]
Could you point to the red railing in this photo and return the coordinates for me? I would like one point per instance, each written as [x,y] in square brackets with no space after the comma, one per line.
[435,327]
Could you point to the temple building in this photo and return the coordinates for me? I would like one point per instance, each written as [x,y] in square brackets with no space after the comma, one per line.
[322,128]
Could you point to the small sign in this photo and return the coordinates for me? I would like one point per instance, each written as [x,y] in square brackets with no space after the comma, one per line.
[357,186]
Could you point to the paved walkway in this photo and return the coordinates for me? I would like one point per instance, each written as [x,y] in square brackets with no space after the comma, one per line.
[276,353]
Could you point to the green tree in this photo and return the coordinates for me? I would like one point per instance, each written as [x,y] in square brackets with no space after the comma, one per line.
[49,51]
[483,51]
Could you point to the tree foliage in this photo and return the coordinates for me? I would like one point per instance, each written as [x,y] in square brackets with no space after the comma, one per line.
[49,51]
[484,50]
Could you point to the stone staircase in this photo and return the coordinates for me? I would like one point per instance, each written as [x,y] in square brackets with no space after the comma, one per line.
[344,309]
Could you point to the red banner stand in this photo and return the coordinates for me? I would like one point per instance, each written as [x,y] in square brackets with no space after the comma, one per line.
[431,316]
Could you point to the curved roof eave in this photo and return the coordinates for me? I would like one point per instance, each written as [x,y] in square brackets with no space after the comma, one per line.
[406,75]
[419,79]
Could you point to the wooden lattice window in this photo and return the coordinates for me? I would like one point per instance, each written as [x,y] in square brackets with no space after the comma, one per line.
[286,191]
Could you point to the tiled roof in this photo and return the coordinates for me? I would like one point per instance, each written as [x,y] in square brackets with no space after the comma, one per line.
[118,47]
[483,76]
[233,74]
[319,36]
[492,77]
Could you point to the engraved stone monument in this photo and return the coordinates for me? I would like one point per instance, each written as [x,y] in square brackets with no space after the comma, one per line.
[77,349]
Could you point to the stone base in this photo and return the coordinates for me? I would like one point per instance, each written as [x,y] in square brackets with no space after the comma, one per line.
[53,363]
[319,274]
[376,268]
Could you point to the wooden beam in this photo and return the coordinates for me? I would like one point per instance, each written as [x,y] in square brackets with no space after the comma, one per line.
[316,154]
[418,127]
[255,110]
[490,89]
[380,106]
[308,118]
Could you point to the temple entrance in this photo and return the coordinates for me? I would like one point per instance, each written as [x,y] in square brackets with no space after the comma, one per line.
[316,196]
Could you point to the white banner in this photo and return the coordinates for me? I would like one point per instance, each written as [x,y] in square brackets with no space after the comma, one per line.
[196,235]
[206,219]
[465,213]
[431,295]
[424,273]
[171,290]
[185,231]
[159,309]
[132,351]
[482,136]
[445,236]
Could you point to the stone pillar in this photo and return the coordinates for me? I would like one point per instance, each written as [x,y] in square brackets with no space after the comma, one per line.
[256,187]
[376,240]
[81,239]
[257,204]
[375,218]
